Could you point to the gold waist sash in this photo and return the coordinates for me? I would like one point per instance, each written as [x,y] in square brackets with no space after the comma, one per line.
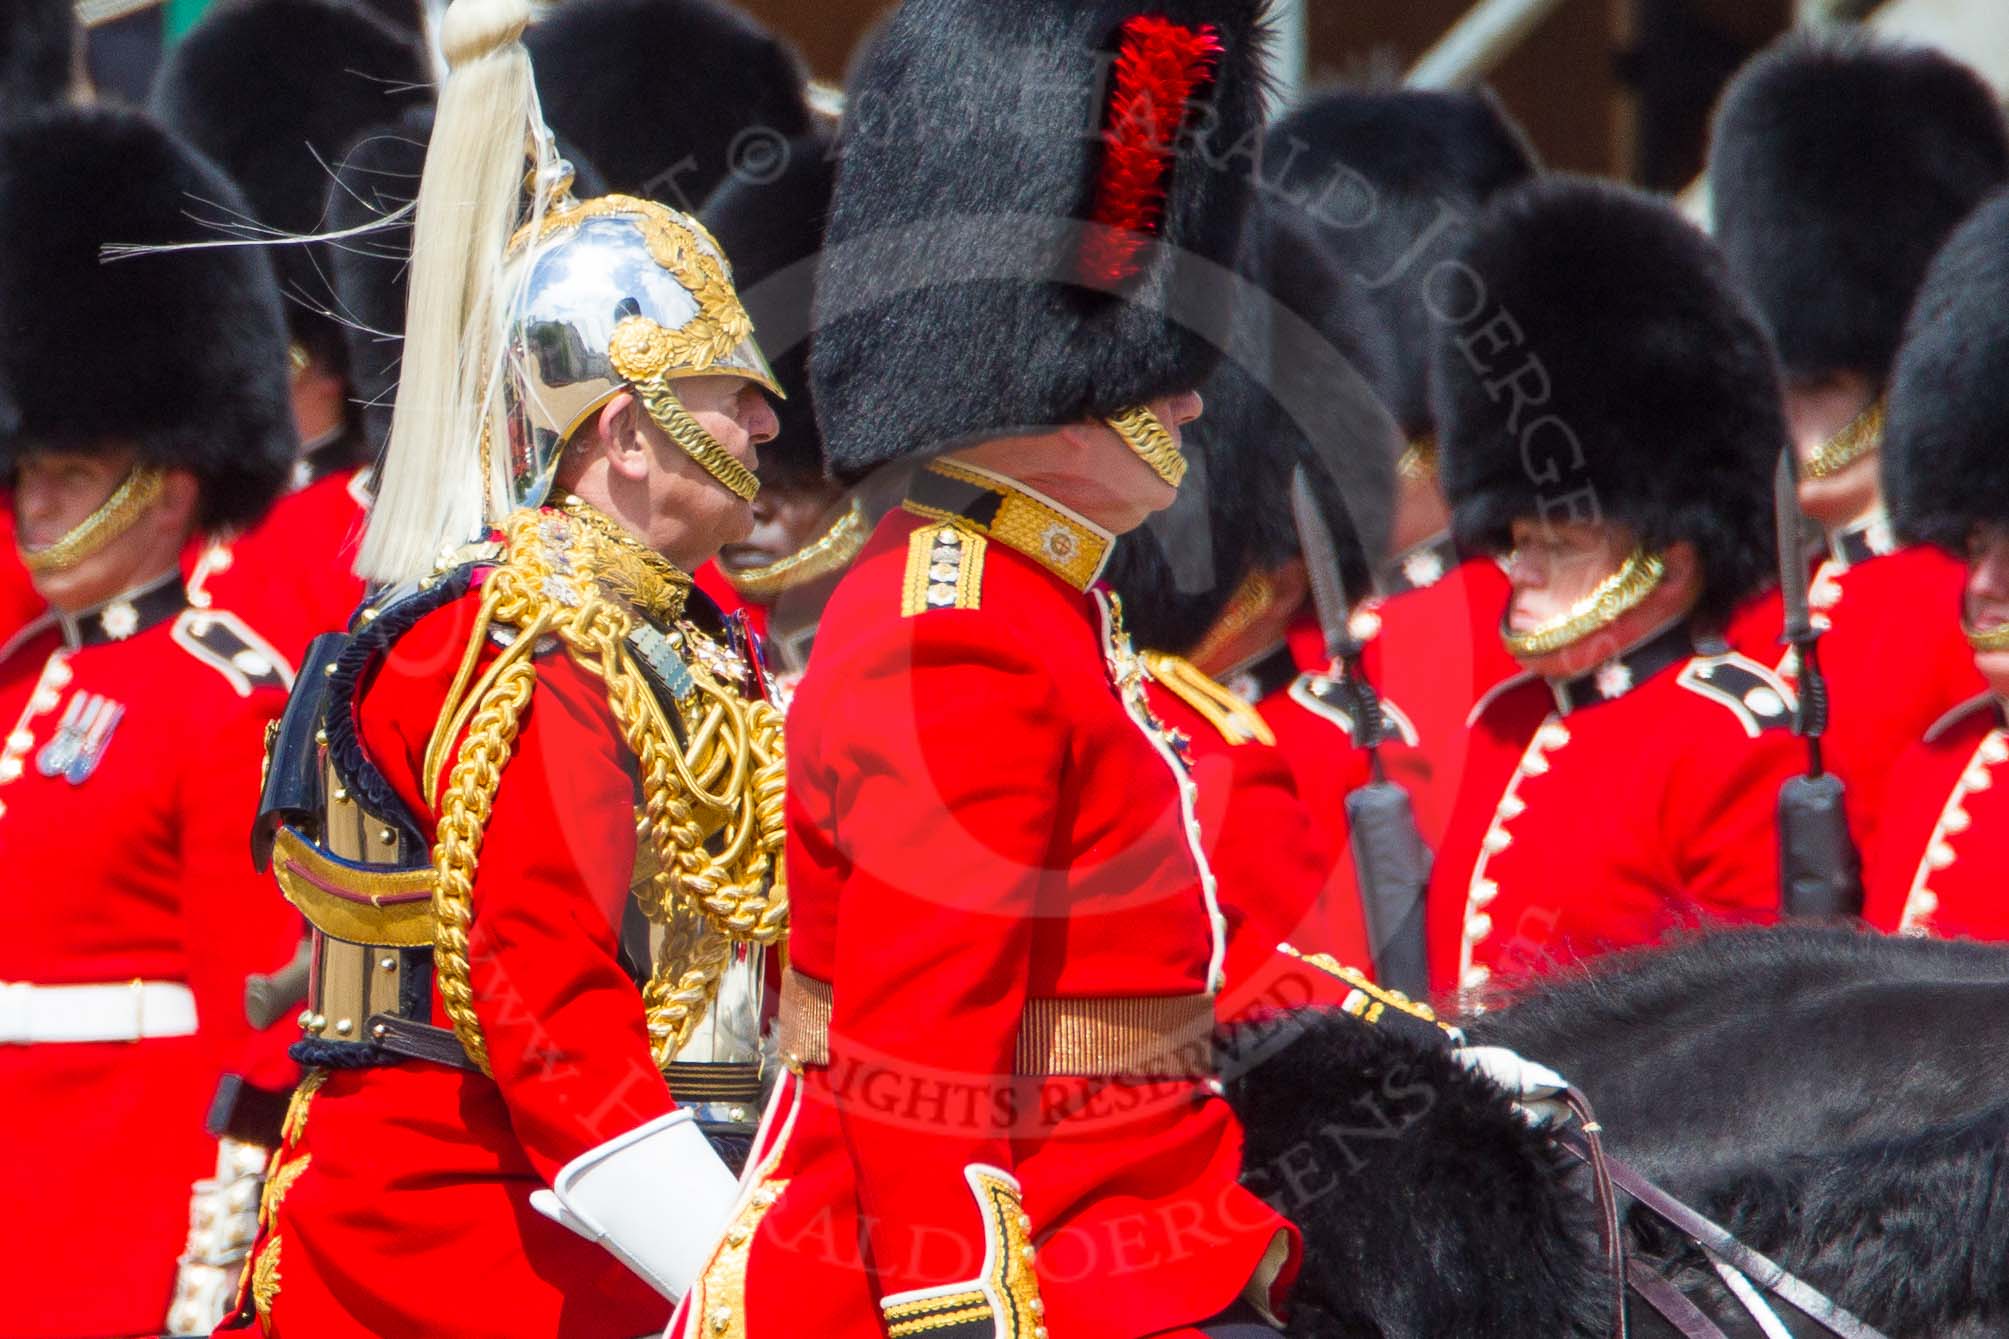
[1143,1037]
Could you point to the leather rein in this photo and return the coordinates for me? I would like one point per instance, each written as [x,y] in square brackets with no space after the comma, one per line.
[1747,1274]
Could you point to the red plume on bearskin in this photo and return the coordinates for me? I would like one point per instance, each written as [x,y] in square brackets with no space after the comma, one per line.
[1159,66]
[954,299]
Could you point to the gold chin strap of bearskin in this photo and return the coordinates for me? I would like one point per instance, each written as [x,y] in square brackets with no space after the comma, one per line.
[1418,460]
[1862,436]
[831,551]
[1143,432]
[1987,639]
[136,492]
[711,825]
[1619,593]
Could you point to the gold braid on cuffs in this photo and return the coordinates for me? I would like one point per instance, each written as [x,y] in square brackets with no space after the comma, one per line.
[1142,432]
[699,445]
[1986,639]
[1617,594]
[136,492]
[1862,436]
[831,551]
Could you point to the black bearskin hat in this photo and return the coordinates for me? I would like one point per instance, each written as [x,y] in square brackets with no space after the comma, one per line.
[376,177]
[38,42]
[1289,372]
[192,347]
[668,97]
[1946,437]
[1037,205]
[274,91]
[771,228]
[1390,180]
[1322,376]
[1838,169]
[1608,371]
[405,15]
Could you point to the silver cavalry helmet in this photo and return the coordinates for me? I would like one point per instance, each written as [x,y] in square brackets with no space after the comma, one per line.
[619,293]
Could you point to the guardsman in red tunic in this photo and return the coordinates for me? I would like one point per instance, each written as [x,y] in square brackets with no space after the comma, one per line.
[1626,784]
[531,803]
[133,722]
[1937,864]
[1186,577]
[1006,939]
[1837,170]
[807,527]
[274,91]
[1392,179]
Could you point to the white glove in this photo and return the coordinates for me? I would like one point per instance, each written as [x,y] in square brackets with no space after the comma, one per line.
[1536,1090]
[657,1197]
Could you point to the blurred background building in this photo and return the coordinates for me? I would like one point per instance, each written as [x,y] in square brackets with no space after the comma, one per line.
[1619,88]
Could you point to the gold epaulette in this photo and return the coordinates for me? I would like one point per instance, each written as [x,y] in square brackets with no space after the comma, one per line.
[945,569]
[1238,722]
[1368,1002]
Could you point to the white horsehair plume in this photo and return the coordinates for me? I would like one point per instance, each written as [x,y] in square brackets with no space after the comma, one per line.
[430,487]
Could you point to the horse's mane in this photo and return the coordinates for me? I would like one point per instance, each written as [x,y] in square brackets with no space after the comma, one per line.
[1911,1231]
[1724,970]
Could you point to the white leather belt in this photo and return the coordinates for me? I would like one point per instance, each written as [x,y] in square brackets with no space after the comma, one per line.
[131,1011]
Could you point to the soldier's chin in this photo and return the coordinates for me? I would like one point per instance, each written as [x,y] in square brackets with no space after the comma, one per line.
[744,557]
[1994,667]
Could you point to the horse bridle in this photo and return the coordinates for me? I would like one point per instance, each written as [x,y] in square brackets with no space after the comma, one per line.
[1744,1271]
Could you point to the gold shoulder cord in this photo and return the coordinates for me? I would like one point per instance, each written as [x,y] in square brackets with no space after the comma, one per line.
[1238,722]
[712,789]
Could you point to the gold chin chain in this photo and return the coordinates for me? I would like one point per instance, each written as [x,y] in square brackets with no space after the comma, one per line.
[831,551]
[712,780]
[1418,460]
[671,416]
[136,492]
[1986,639]
[1862,436]
[1143,432]
[633,570]
[1619,593]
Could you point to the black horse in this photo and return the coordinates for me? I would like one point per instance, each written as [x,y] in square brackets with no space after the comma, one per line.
[1840,1101]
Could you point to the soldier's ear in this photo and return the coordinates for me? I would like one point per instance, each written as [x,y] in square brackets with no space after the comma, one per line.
[620,436]
[180,502]
[1684,566]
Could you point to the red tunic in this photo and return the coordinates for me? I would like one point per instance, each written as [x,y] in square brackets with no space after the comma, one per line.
[410,1213]
[131,865]
[1433,652]
[19,602]
[1937,866]
[1325,768]
[1614,821]
[728,599]
[978,816]
[1276,877]
[1893,657]
[293,572]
